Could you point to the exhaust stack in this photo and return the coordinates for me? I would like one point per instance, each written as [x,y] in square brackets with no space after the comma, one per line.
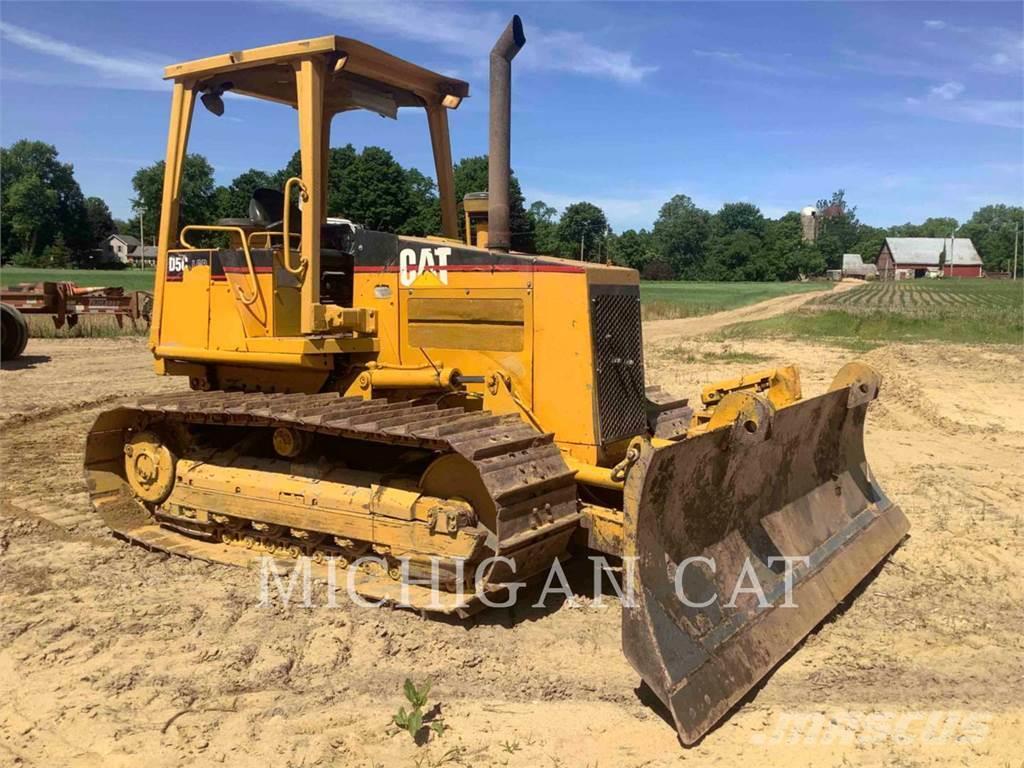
[499,150]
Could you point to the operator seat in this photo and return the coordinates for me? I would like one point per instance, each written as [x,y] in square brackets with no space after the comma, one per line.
[266,213]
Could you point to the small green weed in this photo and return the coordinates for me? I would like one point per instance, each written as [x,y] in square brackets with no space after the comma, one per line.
[414,720]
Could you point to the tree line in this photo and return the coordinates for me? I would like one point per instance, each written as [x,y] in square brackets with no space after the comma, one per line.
[48,222]
[45,220]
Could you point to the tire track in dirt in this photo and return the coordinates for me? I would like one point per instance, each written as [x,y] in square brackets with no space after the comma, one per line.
[113,653]
[688,327]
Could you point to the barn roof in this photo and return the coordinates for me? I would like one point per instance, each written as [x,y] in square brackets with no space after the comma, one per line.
[853,264]
[928,250]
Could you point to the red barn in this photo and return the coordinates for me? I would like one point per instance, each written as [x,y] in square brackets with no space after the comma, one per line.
[908,257]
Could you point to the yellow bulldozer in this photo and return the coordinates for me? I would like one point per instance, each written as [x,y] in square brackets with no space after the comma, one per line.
[445,411]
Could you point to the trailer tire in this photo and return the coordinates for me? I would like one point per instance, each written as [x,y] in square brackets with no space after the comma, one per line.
[13,332]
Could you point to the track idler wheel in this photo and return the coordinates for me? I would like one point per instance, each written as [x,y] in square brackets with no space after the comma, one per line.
[149,466]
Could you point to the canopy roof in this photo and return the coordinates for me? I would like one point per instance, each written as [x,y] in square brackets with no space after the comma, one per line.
[359,76]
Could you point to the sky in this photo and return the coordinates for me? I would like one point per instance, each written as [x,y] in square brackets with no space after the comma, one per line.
[916,109]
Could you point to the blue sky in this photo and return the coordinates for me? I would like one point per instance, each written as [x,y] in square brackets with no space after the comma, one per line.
[914,108]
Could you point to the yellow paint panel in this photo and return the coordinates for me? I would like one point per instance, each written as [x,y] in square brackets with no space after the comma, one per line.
[563,366]
[466,310]
[484,324]
[498,338]
[474,348]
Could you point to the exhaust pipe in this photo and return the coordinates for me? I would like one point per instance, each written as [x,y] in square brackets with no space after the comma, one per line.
[499,144]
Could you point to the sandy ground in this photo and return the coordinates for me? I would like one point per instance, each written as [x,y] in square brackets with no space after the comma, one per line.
[110,655]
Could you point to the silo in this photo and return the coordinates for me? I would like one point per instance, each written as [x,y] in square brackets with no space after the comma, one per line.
[809,223]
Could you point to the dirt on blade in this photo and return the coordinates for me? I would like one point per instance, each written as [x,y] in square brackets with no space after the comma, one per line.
[110,654]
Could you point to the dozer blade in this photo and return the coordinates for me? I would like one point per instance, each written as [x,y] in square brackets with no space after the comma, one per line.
[787,483]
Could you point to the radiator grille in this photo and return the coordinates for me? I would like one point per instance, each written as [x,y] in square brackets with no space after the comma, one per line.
[619,361]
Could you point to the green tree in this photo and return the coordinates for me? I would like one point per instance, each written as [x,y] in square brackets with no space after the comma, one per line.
[57,254]
[233,200]
[425,216]
[680,235]
[40,200]
[991,229]
[930,227]
[869,242]
[99,220]
[544,221]
[838,228]
[735,250]
[632,249]
[738,217]
[198,201]
[31,212]
[471,176]
[582,228]
[737,256]
[375,192]
[372,189]
[786,252]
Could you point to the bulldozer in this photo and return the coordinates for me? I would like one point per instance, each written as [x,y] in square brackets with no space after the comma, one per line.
[445,410]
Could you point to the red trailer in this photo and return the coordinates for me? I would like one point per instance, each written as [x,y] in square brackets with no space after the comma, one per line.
[65,302]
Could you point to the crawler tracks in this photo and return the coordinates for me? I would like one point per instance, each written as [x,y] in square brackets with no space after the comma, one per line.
[532,491]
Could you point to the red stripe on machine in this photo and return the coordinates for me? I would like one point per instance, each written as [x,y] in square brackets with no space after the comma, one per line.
[568,268]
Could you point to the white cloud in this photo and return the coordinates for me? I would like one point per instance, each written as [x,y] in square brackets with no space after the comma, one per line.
[129,72]
[944,102]
[738,60]
[888,65]
[1003,113]
[1003,51]
[935,24]
[624,212]
[471,33]
[572,52]
[947,91]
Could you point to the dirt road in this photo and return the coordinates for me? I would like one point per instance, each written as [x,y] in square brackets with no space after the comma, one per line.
[110,655]
[690,327]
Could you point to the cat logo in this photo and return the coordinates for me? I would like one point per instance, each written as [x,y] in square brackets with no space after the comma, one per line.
[433,261]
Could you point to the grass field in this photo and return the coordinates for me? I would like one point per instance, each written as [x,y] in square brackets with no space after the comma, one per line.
[959,311]
[666,300]
[661,300]
[41,326]
[129,279]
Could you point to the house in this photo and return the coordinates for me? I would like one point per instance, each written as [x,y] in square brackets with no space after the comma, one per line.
[143,257]
[117,248]
[125,249]
[908,257]
[854,266]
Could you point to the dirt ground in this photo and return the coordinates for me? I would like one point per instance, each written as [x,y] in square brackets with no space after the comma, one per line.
[666,330]
[110,655]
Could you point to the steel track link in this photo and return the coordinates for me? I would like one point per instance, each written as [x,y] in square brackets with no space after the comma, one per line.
[522,469]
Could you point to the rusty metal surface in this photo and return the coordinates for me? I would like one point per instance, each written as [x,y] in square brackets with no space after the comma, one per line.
[499,134]
[532,489]
[66,301]
[667,416]
[798,485]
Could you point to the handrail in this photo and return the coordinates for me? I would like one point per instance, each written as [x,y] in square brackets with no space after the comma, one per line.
[299,271]
[246,300]
[269,234]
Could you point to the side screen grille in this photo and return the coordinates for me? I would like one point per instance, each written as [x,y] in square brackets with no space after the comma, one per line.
[619,360]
